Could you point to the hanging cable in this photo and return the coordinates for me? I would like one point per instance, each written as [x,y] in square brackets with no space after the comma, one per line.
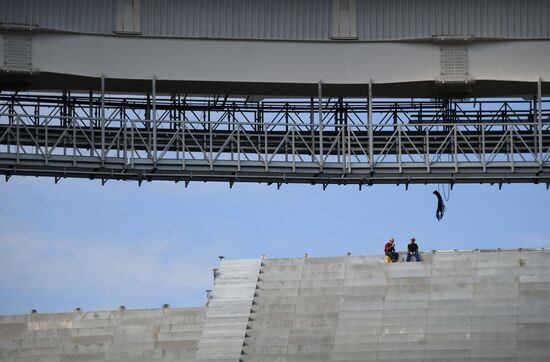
[446,191]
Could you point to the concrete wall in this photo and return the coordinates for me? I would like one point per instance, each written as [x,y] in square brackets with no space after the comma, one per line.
[130,335]
[228,311]
[456,306]
[453,306]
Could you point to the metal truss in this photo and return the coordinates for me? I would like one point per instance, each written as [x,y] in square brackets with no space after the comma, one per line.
[318,141]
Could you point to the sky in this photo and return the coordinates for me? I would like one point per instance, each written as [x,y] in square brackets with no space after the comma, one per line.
[80,244]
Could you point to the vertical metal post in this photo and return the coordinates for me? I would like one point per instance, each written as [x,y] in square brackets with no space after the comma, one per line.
[399,146]
[102,119]
[10,121]
[233,130]
[117,137]
[125,138]
[312,130]
[46,149]
[64,120]
[320,110]
[293,149]
[132,144]
[369,121]
[154,118]
[343,139]
[265,146]
[147,126]
[73,121]
[210,138]
[183,121]
[349,147]
[539,118]
[338,130]
[37,123]
[483,156]
[339,118]
[238,144]
[17,138]
[511,130]
[455,155]
[92,121]
[427,150]
[286,126]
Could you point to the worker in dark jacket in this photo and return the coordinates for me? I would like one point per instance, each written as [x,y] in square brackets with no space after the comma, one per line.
[389,250]
[412,249]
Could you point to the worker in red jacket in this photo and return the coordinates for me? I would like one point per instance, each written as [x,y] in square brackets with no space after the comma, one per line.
[389,250]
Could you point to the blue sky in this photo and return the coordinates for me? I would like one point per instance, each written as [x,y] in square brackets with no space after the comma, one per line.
[80,244]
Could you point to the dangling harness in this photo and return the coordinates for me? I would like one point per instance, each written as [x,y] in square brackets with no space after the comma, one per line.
[440,206]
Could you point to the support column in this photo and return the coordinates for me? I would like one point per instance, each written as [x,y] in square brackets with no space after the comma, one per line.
[154,118]
[369,121]
[320,95]
[539,119]
[312,128]
[17,139]
[102,119]
[92,122]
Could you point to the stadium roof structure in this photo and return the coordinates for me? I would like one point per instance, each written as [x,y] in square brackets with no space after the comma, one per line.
[318,92]
[414,48]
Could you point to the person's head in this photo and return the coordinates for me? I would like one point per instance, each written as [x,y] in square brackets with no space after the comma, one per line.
[391,240]
[413,240]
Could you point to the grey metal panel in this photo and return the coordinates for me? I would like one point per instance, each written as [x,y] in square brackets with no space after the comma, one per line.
[82,16]
[17,53]
[417,19]
[239,19]
[292,19]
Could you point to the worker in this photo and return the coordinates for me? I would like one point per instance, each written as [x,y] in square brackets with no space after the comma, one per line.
[389,250]
[412,249]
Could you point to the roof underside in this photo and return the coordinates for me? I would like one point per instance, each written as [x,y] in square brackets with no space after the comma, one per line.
[422,89]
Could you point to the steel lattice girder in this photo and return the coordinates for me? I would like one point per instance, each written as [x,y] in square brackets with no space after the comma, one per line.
[303,141]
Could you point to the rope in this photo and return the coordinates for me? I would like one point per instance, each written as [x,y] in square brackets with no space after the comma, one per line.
[446,194]
[446,191]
